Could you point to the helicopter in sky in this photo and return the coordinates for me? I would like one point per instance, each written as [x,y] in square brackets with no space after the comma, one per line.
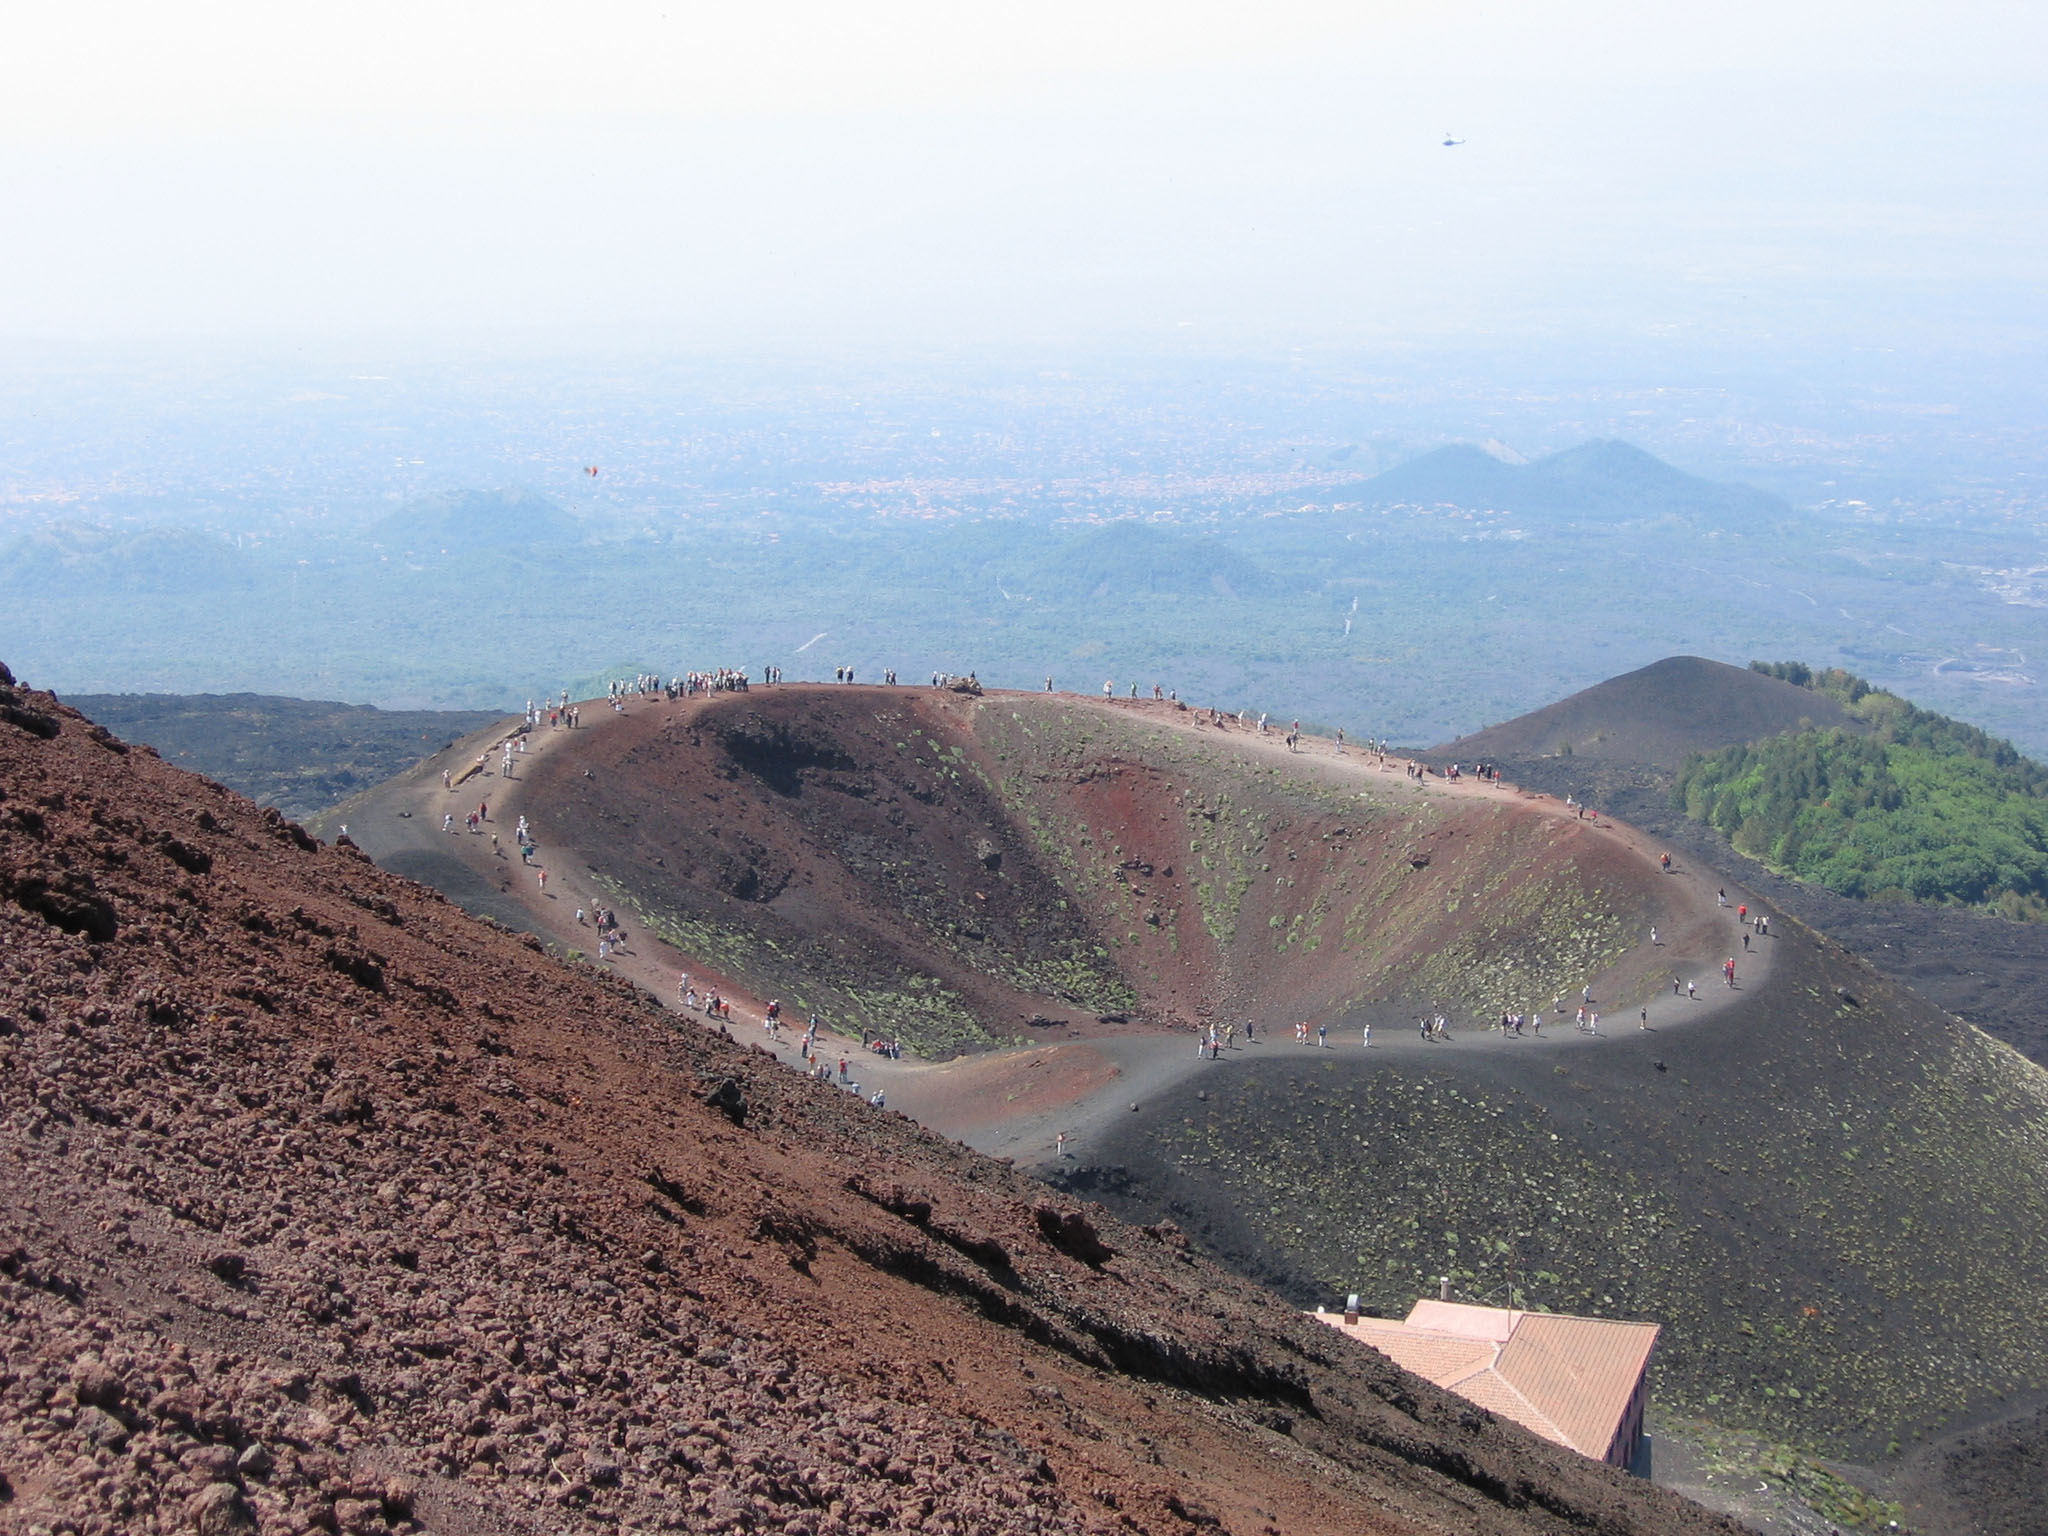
[1451,143]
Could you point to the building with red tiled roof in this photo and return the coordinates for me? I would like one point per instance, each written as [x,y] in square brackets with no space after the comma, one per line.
[1578,1381]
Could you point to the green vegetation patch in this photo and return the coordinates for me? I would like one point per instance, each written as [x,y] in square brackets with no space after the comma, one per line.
[1921,808]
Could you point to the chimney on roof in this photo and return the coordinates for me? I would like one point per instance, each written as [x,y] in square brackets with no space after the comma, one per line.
[1443,1288]
[1351,1310]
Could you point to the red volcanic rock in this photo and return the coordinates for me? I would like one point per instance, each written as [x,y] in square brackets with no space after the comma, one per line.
[332,1209]
[220,1510]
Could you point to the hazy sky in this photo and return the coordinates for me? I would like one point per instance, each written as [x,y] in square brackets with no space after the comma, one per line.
[959,176]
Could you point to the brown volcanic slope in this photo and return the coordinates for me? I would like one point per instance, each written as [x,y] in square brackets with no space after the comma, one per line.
[1656,714]
[327,1205]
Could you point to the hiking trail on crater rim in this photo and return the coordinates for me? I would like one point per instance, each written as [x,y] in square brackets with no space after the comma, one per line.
[328,1206]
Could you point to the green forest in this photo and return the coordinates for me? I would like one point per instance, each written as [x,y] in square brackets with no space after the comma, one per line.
[1905,804]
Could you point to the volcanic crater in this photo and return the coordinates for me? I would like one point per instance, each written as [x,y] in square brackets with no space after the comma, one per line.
[1015,856]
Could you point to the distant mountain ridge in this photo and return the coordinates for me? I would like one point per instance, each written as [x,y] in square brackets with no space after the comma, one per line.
[1605,480]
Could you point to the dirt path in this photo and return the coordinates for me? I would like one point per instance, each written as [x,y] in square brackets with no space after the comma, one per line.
[1014,1102]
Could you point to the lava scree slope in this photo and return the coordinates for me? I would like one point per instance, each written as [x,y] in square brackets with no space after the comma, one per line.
[329,1207]
[1657,714]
